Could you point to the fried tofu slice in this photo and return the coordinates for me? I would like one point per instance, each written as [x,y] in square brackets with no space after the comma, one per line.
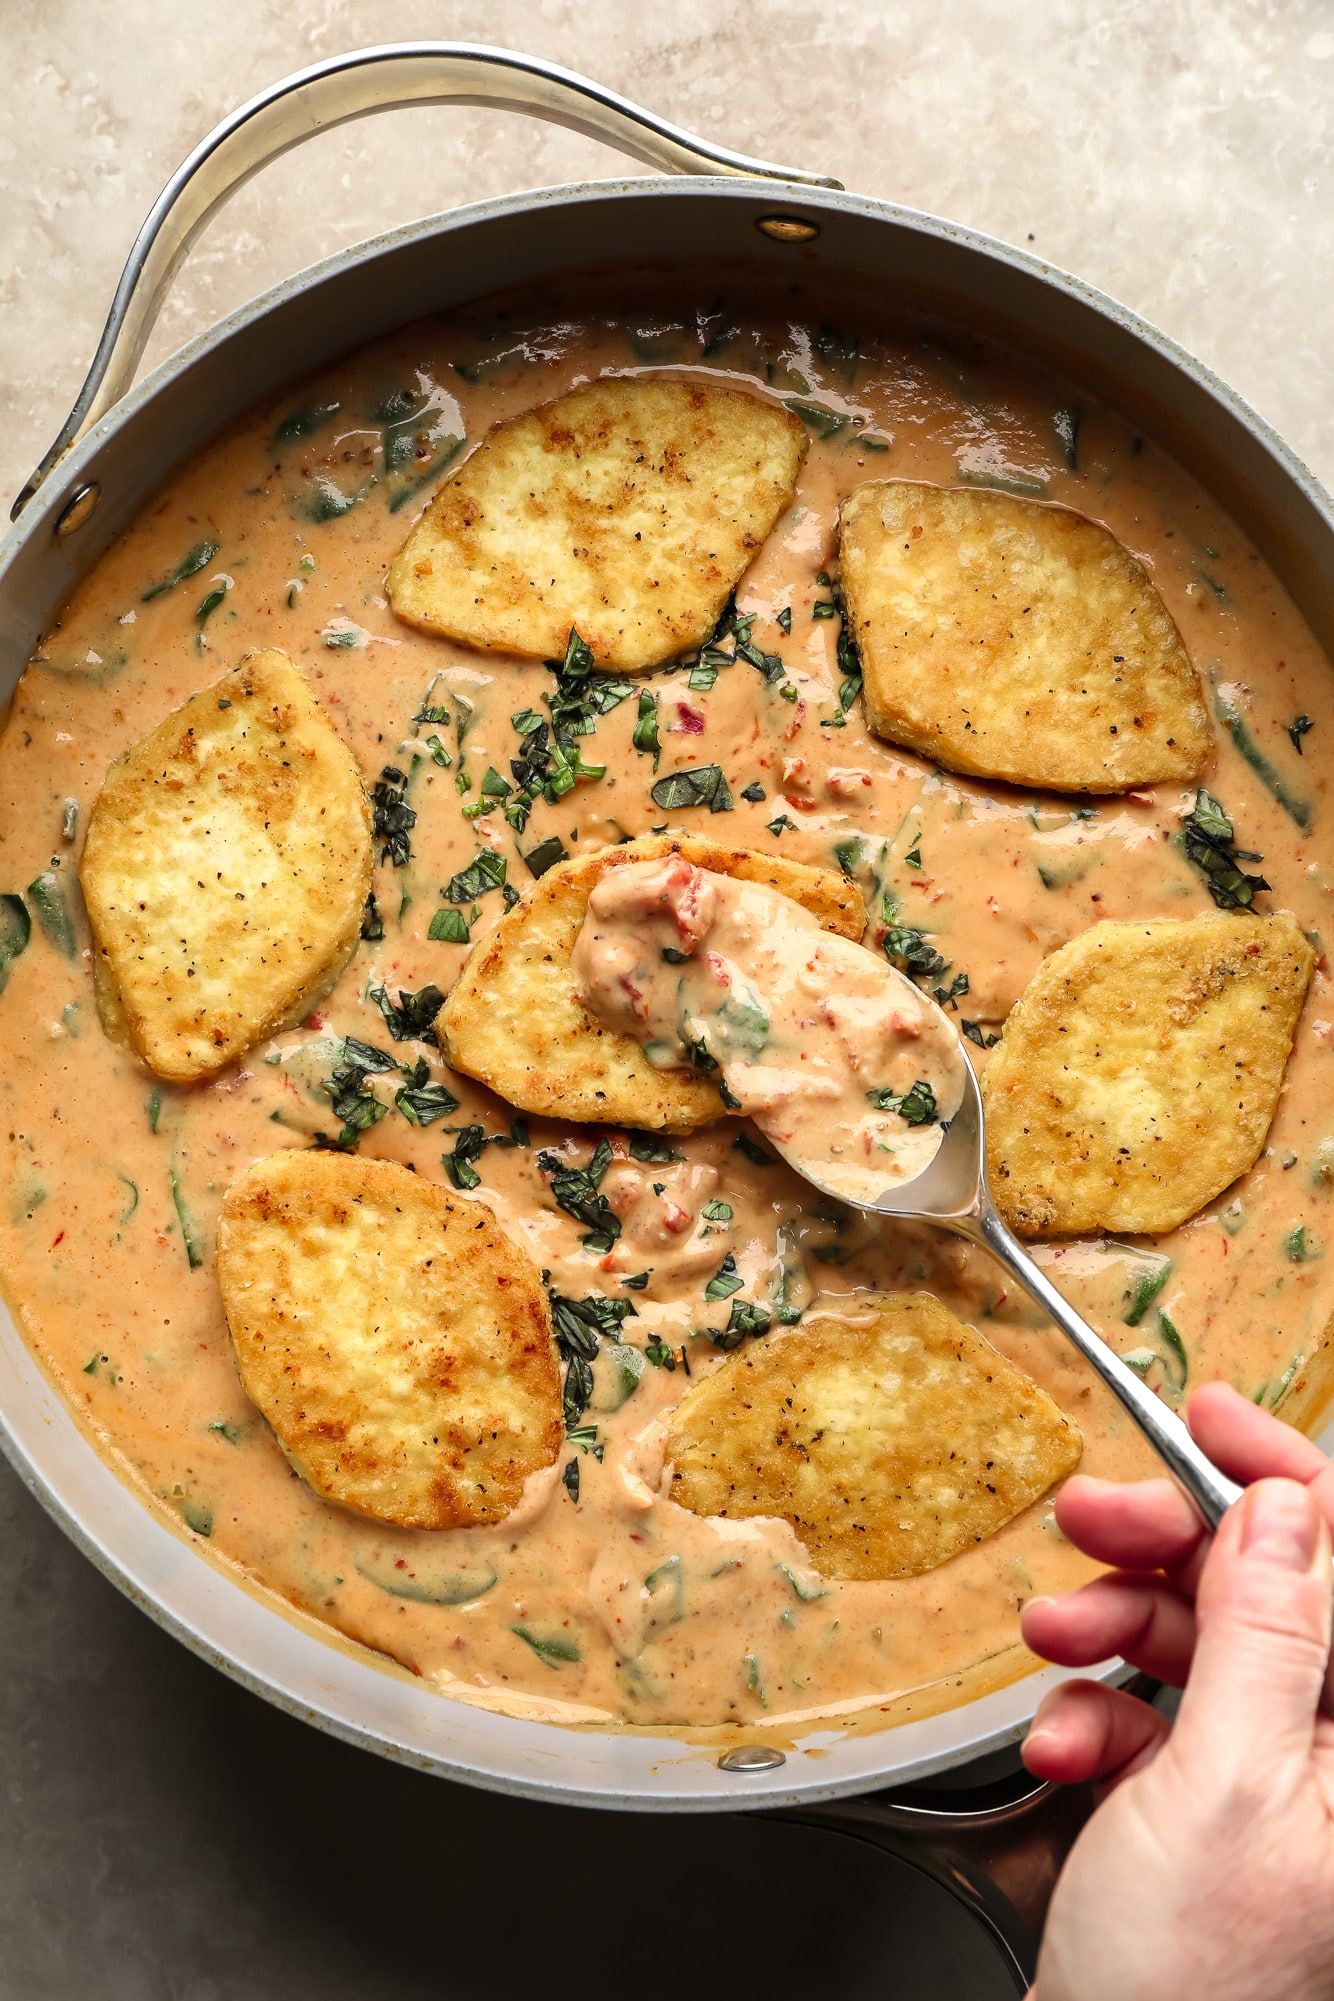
[226,869]
[889,1434]
[515,1022]
[396,1340]
[1012,639]
[1139,1070]
[626,511]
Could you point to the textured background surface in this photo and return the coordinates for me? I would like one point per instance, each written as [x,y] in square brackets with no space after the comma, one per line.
[164,1837]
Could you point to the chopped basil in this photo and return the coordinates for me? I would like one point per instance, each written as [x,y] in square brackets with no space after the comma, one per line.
[1025,485]
[637,1281]
[702,677]
[354,1102]
[450,448]
[578,657]
[577,1390]
[392,819]
[372,924]
[420,1100]
[1178,1368]
[1300,1247]
[653,1152]
[449,927]
[726,1279]
[552,1651]
[412,1017]
[754,792]
[575,1190]
[825,423]
[207,607]
[1145,1287]
[949,996]
[485,871]
[916,1107]
[808,1593]
[570,1478]
[977,1034]
[47,898]
[15,931]
[194,1247]
[1297,809]
[660,1354]
[776,826]
[1210,846]
[469,1143]
[717,1212]
[906,947]
[305,423]
[702,786]
[1297,729]
[746,1317]
[784,619]
[1066,426]
[581,1324]
[645,735]
[755,1153]
[824,608]
[189,566]
[197,1515]
[154,1109]
[546,855]
[913,858]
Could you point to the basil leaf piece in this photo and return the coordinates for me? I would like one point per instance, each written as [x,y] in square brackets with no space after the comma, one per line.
[704,785]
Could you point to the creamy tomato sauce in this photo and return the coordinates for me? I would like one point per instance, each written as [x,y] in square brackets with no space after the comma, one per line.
[619,1605]
[834,1054]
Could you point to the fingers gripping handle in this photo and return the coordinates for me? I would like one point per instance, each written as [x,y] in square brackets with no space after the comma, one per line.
[332,93]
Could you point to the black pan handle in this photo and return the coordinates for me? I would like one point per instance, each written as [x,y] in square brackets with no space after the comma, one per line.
[997,1847]
[332,93]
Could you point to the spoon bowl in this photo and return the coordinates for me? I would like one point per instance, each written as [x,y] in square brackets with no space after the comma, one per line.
[952,1191]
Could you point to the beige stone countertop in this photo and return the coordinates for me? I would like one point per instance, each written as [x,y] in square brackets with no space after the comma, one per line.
[1173,152]
[165,1836]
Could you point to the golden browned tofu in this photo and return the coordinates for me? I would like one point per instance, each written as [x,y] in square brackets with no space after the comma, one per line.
[395,1339]
[1011,639]
[227,865]
[889,1434]
[1139,1071]
[626,511]
[515,1021]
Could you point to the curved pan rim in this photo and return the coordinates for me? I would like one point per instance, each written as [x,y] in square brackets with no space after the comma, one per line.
[276,1654]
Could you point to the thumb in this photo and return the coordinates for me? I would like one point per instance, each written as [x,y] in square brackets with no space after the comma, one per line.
[1263,1610]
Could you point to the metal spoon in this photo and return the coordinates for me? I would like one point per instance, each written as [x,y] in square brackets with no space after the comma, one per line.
[952,1191]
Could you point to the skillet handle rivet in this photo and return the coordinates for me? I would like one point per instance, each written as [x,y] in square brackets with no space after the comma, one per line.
[751,1758]
[787,228]
[78,507]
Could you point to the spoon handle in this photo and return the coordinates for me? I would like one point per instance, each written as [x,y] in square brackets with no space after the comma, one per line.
[1210,1491]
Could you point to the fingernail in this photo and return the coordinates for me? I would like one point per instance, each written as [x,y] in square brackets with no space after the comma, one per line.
[1280,1525]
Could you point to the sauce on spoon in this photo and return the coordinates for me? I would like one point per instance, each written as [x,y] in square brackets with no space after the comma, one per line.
[833,1054]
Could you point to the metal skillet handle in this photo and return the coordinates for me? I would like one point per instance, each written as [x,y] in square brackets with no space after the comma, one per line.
[996,1844]
[332,93]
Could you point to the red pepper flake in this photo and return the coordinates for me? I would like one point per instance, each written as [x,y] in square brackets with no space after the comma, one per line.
[59,1240]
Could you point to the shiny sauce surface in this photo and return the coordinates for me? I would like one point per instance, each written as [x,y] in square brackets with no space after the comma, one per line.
[619,1605]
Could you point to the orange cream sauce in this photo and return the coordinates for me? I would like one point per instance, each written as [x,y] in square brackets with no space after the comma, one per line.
[620,1605]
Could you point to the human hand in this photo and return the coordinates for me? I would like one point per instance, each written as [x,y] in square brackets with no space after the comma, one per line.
[1207,1870]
